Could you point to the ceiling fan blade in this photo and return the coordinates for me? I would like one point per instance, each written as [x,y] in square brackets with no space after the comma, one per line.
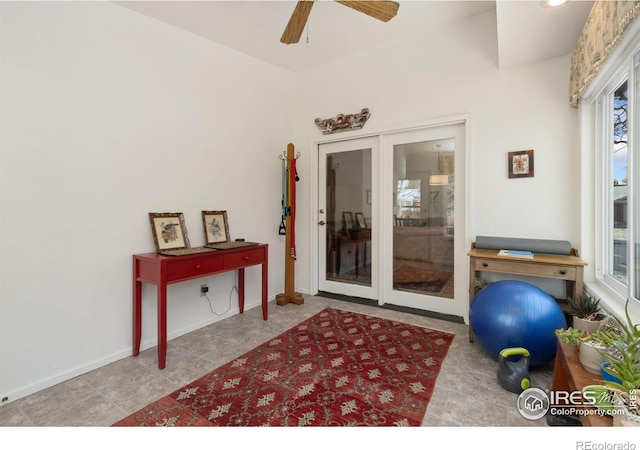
[381,10]
[296,24]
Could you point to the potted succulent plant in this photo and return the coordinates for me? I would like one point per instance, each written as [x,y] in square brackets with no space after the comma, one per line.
[591,351]
[586,312]
[570,336]
[624,362]
[594,346]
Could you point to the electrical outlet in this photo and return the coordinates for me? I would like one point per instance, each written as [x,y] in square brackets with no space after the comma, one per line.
[203,290]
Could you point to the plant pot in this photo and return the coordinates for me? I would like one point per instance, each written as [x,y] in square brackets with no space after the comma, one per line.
[607,374]
[590,326]
[591,356]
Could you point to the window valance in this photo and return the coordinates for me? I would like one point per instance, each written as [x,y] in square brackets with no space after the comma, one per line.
[601,34]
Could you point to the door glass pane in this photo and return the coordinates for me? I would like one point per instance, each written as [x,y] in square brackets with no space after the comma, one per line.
[423,217]
[348,215]
[620,177]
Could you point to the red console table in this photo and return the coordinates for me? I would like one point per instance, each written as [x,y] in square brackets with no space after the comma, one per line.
[162,270]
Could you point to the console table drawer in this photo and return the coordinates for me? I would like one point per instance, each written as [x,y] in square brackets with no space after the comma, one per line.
[246,258]
[192,268]
[526,268]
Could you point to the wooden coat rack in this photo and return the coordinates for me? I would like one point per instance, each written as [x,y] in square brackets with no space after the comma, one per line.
[290,295]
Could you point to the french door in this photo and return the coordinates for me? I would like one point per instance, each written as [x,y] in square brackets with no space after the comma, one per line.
[391,219]
[347,218]
[423,220]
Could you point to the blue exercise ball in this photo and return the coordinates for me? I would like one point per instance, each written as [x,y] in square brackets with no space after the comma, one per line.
[513,313]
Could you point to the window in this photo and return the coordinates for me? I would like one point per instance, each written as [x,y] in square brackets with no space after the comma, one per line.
[618,184]
[408,199]
[617,154]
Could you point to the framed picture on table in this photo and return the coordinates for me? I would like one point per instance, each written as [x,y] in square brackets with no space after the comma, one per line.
[169,231]
[347,220]
[216,226]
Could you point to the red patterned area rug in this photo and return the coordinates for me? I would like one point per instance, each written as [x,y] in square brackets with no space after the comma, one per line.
[417,279]
[337,368]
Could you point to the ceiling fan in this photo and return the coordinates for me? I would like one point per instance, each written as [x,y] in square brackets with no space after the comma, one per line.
[381,10]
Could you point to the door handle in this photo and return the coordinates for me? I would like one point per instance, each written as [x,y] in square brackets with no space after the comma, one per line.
[321,222]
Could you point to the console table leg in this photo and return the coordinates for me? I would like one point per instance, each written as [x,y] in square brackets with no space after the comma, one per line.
[162,325]
[472,292]
[241,290]
[137,316]
[265,304]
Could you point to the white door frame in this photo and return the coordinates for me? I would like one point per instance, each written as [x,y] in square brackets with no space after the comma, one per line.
[380,133]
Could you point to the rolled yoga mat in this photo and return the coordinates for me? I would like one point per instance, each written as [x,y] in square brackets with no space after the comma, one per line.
[531,245]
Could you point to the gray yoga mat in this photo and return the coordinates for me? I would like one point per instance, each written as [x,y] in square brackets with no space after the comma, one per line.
[531,245]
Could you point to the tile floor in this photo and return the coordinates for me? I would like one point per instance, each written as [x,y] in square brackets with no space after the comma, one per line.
[467,392]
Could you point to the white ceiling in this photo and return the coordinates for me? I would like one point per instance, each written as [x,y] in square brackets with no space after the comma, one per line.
[526,30]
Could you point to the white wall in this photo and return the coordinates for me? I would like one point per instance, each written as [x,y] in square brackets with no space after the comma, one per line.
[448,74]
[107,115]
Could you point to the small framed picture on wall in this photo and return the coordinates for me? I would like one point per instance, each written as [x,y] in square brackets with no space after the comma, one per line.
[521,164]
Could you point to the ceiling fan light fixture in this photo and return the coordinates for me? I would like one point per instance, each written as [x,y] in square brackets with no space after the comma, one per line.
[552,3]
[438,180]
